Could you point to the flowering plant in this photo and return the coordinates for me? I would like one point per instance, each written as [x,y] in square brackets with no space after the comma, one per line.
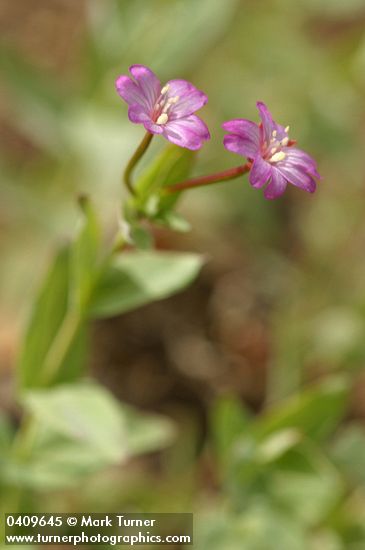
[169,111]
[93,278]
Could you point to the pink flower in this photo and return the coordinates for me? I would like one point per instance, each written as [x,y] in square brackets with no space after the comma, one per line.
[167,110]
[275,161]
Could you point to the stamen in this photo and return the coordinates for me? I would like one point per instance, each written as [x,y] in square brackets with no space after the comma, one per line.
[278,156]
[165,89]
[274,133]
[285,141]
[162,119]
[174,99]
[287,129]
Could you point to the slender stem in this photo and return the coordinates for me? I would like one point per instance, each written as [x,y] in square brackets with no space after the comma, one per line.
[61,345]
[229,174]
[71,325]
[21,451]
[140,151]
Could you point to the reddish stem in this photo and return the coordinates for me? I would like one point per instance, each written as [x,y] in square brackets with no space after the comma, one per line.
[229,174]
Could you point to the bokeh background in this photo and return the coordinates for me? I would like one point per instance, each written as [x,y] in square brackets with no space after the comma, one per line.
[276,320]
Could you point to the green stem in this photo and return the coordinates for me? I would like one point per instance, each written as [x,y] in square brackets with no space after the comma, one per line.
[61,345]
[24,438]
[141,149]
[21,451]
[72,324]
[226,175]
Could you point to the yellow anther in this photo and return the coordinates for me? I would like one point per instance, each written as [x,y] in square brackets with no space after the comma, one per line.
[285,141]
[287,129]
[278,156]
[274,134]
[165,89]
[162,119]
[174,99]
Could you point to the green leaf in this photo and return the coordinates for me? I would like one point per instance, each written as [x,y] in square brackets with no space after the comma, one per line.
[85,257]
[309,497]
[348,453]
[146,432]
[174,164]
[48,313]
[229,420]
[55,462]
[86,413]
[5,433]
[54,348]
[78,430]
[174,221]
[259,527]
[141,237]
[315,412]
[138,278]
[6,436]
[306,483]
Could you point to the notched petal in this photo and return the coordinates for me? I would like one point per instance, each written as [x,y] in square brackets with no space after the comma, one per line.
[185,98]
[189,132]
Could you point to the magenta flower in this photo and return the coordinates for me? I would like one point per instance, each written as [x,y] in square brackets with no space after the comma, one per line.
[167,110]
[275,160]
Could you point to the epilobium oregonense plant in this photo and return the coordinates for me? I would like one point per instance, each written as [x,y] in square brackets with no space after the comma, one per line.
[272,158]
[91,279]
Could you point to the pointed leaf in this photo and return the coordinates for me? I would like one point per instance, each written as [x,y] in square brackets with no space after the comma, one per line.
[138,278]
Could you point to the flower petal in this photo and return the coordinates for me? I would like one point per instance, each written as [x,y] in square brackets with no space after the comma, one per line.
[138,114]
[267,120]
[189,132]
[277,185]
[152,127]
[269,125]
[190,98]
[147,82]
[297,177]
[241,145]
[301,159]
[260,172]
[244,128]
[130,92]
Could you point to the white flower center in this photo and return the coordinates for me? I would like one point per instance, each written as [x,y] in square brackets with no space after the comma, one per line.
[163,105]
[276,157]
[273,150]
[162,119]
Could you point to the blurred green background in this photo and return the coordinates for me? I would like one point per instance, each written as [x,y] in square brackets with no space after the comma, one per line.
[260,362]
